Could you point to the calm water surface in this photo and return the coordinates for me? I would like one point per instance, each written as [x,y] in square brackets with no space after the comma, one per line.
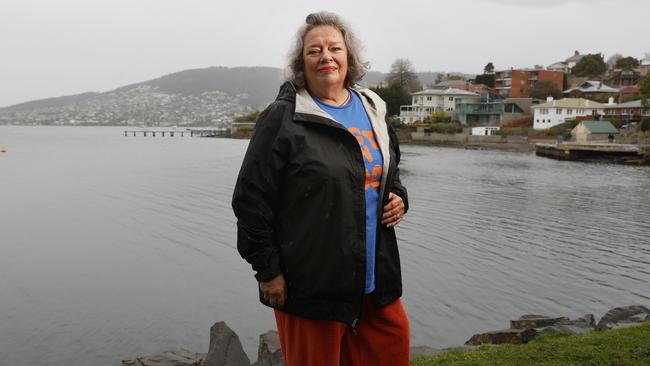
[114,247]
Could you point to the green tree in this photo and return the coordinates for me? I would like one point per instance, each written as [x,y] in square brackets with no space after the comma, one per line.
[403,74]
[627,63]
[489,68]
[545,88]
[644,90]
[485,79]
[590,65]
[395,96]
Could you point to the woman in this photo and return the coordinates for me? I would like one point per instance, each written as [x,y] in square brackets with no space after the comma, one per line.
[317,200]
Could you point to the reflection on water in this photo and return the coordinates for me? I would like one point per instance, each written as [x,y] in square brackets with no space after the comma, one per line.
[114,247]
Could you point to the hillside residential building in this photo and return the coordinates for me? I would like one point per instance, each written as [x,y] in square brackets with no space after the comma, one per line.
[566,65]
[629,112]
[426,102]
[462,85]
[517,83]
[590,88]
[626,77]
[594,131]
[555,112]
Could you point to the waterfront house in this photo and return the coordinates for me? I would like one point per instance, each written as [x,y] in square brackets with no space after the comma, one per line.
[590,89]
[491,109]
[426,102]
[629,112]
[516,83]
[594,131]
[555,112]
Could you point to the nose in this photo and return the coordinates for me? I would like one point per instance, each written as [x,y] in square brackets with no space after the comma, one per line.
[326,56]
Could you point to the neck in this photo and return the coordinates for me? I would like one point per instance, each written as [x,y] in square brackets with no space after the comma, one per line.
[333,96]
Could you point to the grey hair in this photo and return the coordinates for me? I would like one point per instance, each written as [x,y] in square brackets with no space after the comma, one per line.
[357,67]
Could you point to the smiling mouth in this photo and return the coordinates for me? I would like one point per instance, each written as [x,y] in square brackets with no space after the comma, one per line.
[327,69]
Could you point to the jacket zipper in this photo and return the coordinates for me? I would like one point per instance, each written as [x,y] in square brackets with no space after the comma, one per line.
[338,126]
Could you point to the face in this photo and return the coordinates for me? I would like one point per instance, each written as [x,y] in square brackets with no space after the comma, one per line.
[326,58]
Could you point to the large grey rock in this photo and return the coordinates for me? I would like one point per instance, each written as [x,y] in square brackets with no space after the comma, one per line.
[585,321]
[624,316]
[172,358]
[512,336]
[535,321]
[225,348]
[269,352]
[583,324]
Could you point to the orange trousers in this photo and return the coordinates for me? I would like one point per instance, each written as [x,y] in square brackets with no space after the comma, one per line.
[381,339]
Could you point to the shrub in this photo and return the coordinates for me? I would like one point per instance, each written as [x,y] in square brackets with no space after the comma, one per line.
[445,128]
[438,117]
[645,124]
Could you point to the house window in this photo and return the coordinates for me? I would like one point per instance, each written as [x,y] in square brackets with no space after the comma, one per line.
[580,111]
[543,111]
[569,111]
[558,111]
[451,99]
[538,121]
[428,98]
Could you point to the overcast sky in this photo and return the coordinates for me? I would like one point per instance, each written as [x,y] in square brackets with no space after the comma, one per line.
[53,48]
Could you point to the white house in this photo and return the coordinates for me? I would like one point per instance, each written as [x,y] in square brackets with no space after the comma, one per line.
[555,112]
[426,102]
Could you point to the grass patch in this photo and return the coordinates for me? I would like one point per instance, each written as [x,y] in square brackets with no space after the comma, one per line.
[619,347]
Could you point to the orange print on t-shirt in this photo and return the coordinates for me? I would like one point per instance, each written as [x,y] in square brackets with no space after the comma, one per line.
[373,179]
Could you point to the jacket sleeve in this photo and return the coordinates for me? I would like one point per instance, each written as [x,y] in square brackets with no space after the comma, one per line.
[397,188]
[257,192]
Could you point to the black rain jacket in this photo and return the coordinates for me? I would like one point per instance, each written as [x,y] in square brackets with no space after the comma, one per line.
[300,205]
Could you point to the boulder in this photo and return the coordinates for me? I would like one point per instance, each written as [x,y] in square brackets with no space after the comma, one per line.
[225,348]
[171,358]
[583,324]
[585,321]
[512,336]
[624,316]
[269,352]
[535,321]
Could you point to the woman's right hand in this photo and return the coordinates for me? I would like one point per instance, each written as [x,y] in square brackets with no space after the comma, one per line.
[275,291]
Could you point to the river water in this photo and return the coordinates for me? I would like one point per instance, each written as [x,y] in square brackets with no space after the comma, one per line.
[114,247]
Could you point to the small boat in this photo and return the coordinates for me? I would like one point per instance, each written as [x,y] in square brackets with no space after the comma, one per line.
[2,149]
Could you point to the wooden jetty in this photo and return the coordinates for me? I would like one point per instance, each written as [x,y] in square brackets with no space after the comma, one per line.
[178,133]
[615,153]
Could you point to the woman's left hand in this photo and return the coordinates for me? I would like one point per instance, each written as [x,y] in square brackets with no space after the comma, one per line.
[393,211]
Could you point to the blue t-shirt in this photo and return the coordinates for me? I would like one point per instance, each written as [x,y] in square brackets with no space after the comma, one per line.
[353,116]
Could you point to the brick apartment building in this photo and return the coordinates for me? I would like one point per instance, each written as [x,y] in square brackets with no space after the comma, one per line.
[516,83]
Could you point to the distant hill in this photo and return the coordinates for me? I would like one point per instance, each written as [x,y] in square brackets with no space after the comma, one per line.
[50,102]
[260,83]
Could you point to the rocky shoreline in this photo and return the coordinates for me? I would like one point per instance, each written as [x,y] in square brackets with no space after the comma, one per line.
[226,349]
